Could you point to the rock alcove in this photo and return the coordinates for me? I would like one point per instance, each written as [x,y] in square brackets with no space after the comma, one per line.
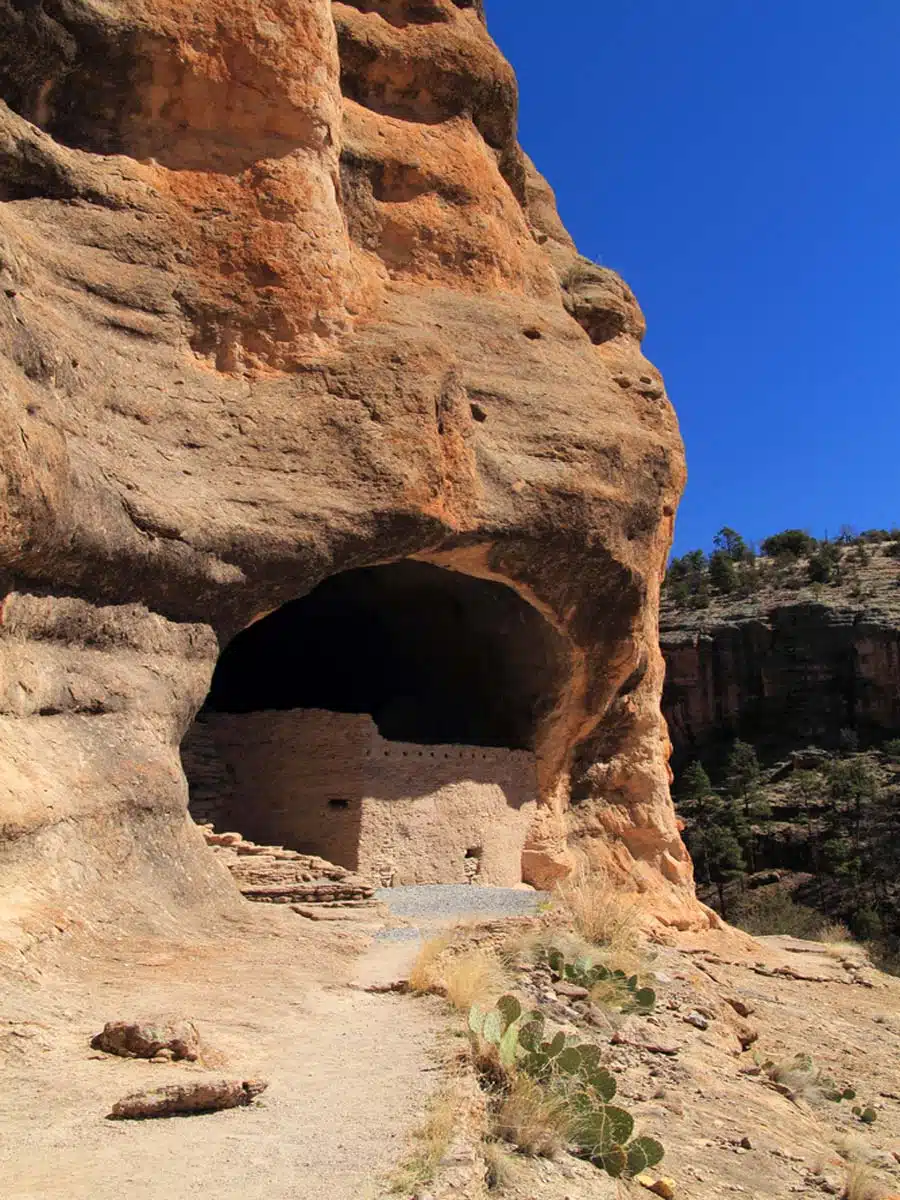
[267,314]
[387,721]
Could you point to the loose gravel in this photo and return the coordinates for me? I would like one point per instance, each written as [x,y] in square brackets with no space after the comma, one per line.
[454,901]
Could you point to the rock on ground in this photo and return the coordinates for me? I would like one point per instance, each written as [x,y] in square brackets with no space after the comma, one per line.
[181,1099]
[149,1039]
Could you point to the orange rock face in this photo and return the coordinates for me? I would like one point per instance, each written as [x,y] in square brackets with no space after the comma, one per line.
[282,297]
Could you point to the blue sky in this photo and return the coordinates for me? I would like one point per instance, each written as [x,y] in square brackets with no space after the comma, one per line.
[738,161]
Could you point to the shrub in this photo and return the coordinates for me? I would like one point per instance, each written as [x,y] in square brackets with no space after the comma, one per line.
[892,749]
[728,541]
[867,924]
[791,543]
[766,912]
[722,572]
[823,564]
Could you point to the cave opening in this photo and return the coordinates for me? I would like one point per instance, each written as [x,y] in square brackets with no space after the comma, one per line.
[434,656]
[387,722]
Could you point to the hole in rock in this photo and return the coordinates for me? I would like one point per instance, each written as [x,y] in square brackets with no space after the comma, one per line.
[312,734]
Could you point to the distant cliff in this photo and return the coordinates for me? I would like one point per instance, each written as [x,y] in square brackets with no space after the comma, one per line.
[782,661]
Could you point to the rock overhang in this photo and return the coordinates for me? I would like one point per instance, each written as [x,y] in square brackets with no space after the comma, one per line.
[225,382]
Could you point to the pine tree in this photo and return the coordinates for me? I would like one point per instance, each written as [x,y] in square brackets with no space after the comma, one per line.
[718,831]
[724,858]
[722,573]
[742,776]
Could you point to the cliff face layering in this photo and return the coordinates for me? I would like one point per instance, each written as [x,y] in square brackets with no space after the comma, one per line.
[281,298]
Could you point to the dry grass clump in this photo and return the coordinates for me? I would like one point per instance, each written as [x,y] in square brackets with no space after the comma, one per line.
[603,916]
[425,973]
[835,933]
[599,912]
[501,1170]
[432,1142]
[862,1183]
[473,976]
[803,1079]
[853,1148]
[532,1118]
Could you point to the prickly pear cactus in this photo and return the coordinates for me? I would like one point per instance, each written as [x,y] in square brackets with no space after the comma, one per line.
[587,974]
[644,1153]
[573,1072]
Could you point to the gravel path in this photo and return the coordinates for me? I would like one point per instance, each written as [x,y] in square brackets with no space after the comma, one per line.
[442,902]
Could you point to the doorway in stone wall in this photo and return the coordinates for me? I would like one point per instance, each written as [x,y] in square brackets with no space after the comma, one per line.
[386,721]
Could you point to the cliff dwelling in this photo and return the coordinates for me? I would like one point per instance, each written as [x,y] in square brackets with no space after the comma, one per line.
[230,387]
[387,721]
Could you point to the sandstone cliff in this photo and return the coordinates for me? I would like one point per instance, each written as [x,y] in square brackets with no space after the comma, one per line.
[790,665]
[281,296]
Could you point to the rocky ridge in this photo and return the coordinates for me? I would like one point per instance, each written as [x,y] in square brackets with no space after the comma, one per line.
[790,665]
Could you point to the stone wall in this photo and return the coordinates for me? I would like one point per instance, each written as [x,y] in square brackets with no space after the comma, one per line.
[327,783]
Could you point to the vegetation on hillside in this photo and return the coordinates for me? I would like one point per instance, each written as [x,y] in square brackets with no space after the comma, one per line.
[827,823]
[792,559]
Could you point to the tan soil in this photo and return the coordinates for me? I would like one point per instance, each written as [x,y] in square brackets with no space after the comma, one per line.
[348,1071]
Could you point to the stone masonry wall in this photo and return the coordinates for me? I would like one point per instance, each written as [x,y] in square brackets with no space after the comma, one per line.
[329,784]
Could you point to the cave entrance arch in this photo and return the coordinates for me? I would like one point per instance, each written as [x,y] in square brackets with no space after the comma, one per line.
[387,721]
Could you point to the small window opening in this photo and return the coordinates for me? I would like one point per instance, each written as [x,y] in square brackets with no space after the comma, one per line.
[339,802]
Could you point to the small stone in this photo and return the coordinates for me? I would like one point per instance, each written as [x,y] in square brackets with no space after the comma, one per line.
[572,990]
[696,1019]
[746,1143]
[747,1034]
[664,1187]
[598,1017]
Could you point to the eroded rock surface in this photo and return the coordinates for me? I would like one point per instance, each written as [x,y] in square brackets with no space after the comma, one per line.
[281,296]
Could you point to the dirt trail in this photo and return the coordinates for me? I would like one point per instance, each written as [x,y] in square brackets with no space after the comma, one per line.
[349,1071]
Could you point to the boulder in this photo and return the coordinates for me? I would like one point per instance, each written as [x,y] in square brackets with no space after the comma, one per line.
[164,1036]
